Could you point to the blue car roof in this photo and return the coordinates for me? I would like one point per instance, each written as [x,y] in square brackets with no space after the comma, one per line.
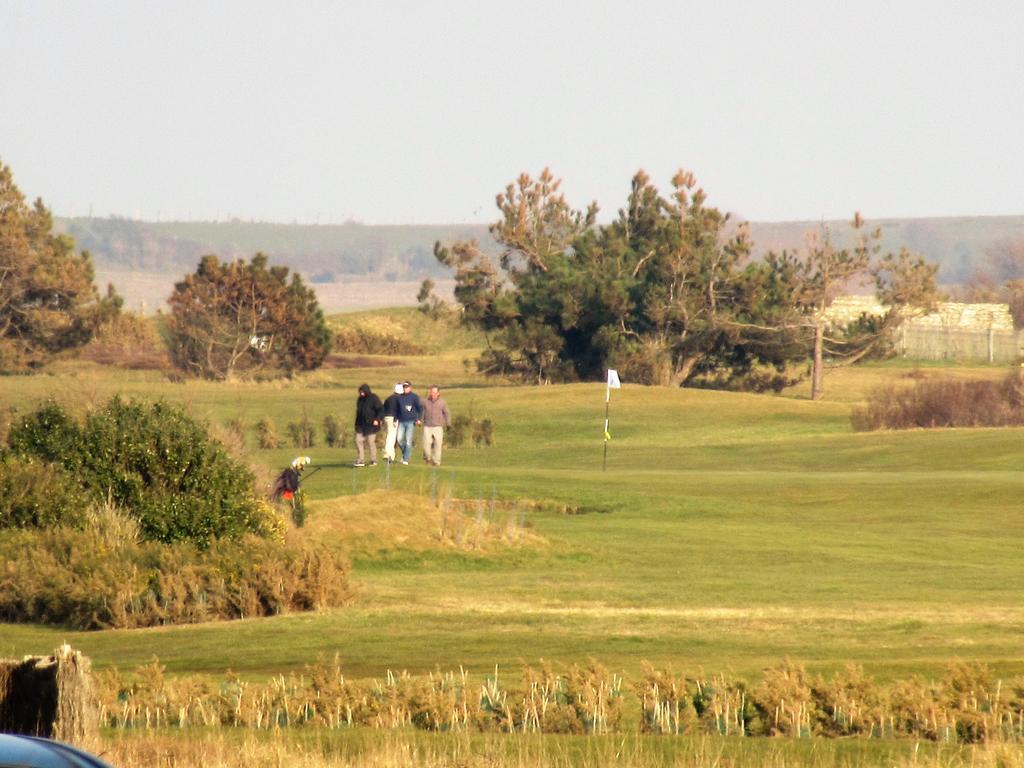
[34,752]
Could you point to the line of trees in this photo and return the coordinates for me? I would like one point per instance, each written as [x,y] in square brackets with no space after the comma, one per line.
[667,291]
[226,319]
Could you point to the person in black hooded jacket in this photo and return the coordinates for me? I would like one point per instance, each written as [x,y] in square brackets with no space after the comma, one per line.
[369,413]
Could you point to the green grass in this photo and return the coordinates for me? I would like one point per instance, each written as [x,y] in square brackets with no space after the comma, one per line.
[728,532]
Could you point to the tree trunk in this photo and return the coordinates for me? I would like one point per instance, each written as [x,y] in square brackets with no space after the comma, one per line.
[818,369]
[682,373]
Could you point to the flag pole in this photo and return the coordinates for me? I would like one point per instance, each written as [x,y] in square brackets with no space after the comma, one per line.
[607,405]
[612,382]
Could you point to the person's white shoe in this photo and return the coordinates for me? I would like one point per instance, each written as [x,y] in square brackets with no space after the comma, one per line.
[405,462]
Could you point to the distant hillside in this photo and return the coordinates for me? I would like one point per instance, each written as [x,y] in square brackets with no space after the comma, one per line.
[324,254]
[958,245]
[357,266]
[321,253]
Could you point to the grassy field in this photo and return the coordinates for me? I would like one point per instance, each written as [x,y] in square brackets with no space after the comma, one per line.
[226,749]
[729,531]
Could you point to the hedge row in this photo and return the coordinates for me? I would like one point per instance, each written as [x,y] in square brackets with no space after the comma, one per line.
[966,705]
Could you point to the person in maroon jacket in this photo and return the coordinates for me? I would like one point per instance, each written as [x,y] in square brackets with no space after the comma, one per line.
[435,419]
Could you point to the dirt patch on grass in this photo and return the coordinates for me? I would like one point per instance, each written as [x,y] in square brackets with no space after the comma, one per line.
[388,520]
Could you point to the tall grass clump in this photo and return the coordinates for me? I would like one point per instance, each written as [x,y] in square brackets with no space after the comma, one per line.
[302,433]
[234,431]
[944,403]
[334,434]
[377,338]
[107,576]
[666,703]
[266,434]
[128,340]
[467,427]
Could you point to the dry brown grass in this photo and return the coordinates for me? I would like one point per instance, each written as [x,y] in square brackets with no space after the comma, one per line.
[128,341]
[405,750]
[944,402]
[384,520]
[103,576]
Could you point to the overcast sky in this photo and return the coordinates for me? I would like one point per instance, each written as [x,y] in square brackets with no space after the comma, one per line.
[419,112]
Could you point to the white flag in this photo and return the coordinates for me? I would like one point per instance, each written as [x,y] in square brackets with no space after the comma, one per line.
[613,379]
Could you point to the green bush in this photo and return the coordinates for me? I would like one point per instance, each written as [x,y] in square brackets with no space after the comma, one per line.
[483,433]
[464,428]
[302,433]
[334,436]
[457,431]
[37,494]
[150,459]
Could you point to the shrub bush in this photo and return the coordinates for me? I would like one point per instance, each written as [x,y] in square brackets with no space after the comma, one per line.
[150,459]
[37,494]
[236,431]
[266,433]
[785,702]
[128,341]
[944,403]
[463,428]
[302,433]
[103,576]
[666,703]
[848,705]
[456,435]
[334,435]
[363,339]
[723,706]
[483,433]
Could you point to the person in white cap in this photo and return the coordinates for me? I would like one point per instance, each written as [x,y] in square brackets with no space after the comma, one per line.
[391,421]
[410,414]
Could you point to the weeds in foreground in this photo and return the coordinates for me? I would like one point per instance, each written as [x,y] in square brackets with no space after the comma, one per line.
[966,706]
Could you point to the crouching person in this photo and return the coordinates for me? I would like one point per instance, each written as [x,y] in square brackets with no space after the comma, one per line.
[435,419]
[369,413]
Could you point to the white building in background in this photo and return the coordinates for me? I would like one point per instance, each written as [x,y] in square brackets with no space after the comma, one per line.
[952,331]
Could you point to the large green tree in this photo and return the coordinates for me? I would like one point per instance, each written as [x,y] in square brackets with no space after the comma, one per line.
[48,301]
[232,319]
[666,291]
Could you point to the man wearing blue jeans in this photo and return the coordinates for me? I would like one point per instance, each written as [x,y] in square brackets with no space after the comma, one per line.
[410,413]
